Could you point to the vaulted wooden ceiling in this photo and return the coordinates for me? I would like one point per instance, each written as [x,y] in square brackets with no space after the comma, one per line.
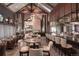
[30,7]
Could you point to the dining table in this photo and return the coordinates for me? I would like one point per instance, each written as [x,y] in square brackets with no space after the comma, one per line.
[33,41]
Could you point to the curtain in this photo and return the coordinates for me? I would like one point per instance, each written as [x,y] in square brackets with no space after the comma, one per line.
[7,30]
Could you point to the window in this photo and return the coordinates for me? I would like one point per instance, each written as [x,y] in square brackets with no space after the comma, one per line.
[77,28]
[1,18]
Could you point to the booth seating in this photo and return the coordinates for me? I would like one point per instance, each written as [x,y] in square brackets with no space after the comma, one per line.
[47,48]
[23,48]
[67,48]
[2,48]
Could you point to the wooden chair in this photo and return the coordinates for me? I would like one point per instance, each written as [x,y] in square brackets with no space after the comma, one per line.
[48,48]
[23,48]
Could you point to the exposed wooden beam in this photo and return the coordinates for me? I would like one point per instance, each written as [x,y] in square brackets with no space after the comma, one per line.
[40,9]
[31,8]
[9,4]
[22,8]
[1,4]
[50,5]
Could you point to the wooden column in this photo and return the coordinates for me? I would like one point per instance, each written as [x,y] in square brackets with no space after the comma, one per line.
[22,16]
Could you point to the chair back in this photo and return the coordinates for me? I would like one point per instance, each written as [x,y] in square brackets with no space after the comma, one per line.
[36,52]
[26,35]
[49,36]
[21,43]
[50,44]
[52,38]
[63,42]
[14,36]
[46,35]
[57,40]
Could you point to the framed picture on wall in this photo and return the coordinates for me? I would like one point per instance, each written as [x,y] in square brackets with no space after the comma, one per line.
[76,28]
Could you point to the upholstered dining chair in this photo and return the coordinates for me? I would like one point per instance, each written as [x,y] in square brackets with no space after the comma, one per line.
[23,48]
[57,40]
[48,47]
[35,52]
[67,48]
[57,44]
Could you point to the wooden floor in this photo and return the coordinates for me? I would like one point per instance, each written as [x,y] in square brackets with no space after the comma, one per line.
[15,52]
